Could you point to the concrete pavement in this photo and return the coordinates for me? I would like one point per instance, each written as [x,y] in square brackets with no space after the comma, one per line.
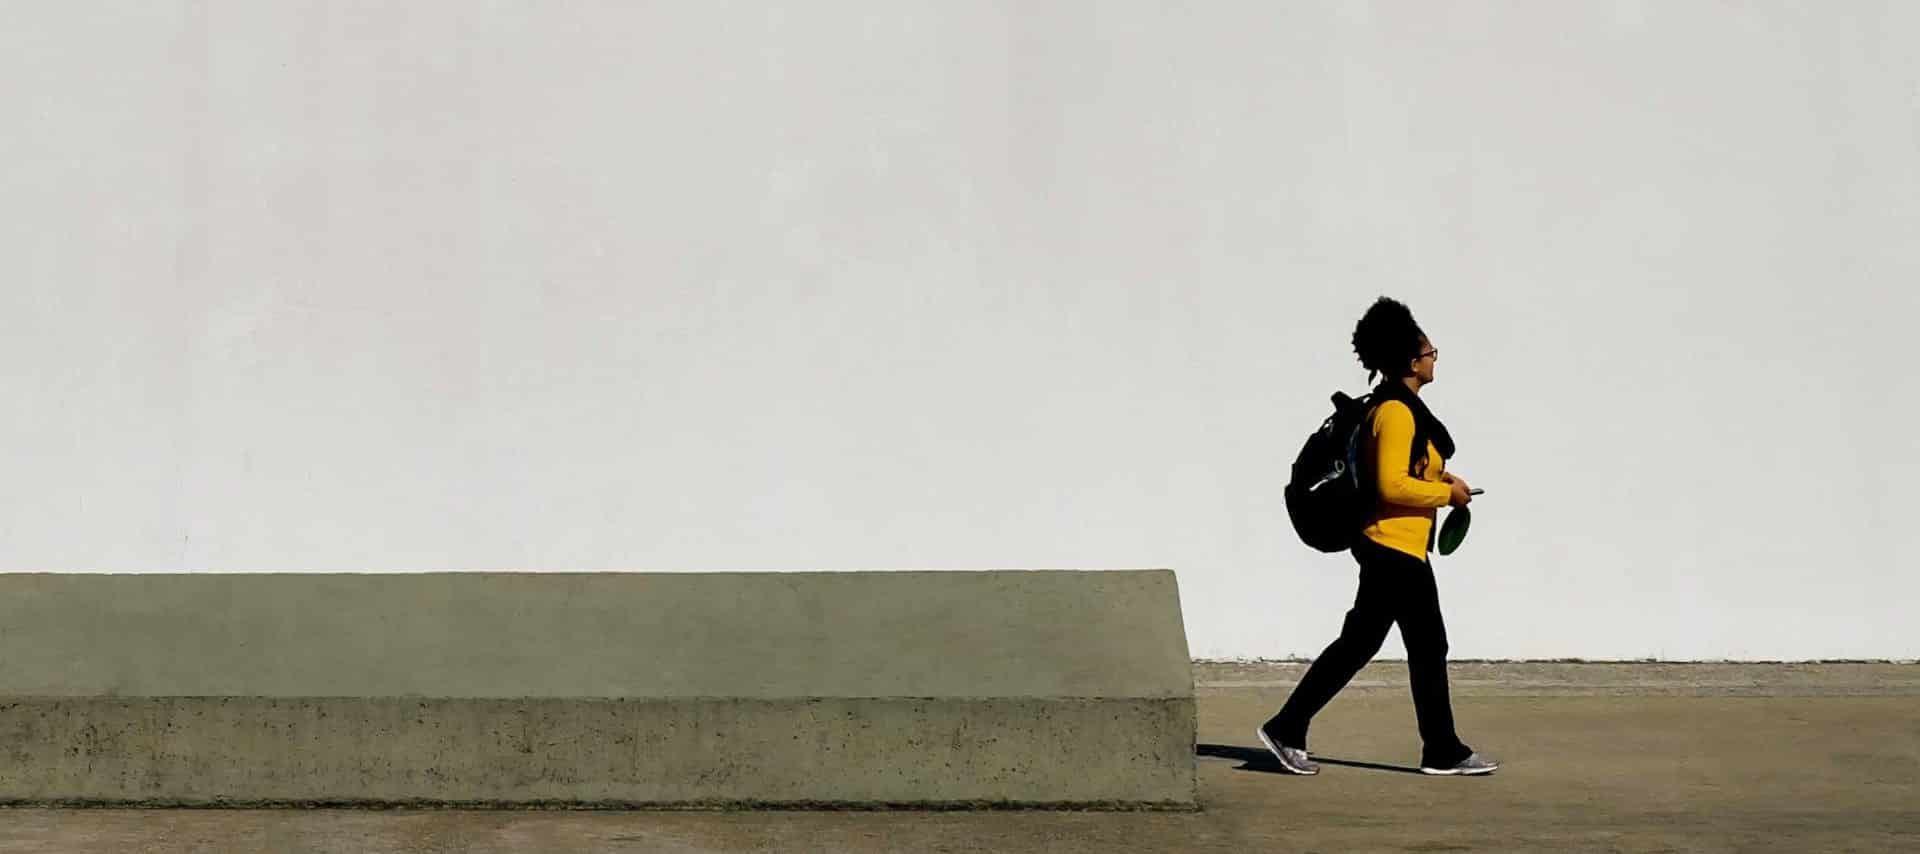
[1600,757]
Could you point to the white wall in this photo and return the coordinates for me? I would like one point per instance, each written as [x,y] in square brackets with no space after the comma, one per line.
[693,285]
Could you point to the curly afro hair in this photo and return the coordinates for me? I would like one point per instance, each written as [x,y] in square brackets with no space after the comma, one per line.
[1386,339]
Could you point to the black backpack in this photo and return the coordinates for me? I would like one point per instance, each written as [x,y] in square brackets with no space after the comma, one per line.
[1329,499]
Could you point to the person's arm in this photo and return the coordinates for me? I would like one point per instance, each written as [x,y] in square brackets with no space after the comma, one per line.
[1393,441]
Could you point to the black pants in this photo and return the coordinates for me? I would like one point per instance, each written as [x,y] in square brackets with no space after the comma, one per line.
[1394,587]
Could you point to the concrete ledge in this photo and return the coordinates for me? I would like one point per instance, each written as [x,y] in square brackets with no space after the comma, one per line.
[597,690]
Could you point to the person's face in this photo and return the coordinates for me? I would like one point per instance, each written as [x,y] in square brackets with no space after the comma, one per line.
[1423,365]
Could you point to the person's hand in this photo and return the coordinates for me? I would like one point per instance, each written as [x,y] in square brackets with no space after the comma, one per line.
[1462,495]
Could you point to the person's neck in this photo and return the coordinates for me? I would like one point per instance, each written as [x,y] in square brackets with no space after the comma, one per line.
[1413,384]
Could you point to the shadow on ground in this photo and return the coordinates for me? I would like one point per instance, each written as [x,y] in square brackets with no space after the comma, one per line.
[1258,759]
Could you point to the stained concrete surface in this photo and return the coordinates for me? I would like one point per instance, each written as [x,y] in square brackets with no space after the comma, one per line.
[1599,757]
[271,752]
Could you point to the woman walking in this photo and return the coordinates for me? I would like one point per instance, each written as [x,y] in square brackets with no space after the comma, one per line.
[1406,460]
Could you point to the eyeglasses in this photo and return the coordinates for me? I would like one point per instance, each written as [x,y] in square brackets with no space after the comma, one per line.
[1431,354]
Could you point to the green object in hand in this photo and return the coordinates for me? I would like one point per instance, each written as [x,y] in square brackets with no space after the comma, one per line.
[1454,530]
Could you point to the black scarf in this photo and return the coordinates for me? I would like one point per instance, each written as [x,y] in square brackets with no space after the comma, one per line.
[1426,428]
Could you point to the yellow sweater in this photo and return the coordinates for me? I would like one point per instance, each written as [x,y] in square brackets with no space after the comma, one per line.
[1404,521]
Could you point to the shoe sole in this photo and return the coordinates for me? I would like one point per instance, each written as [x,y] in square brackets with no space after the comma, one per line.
[1275,750]
[1456,772]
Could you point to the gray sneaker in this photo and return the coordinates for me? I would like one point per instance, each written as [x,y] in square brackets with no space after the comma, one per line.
[1470,766]
[1291,758]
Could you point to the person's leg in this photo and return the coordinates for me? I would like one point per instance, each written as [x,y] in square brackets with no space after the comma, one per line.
[1360,637]
[1425,634]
